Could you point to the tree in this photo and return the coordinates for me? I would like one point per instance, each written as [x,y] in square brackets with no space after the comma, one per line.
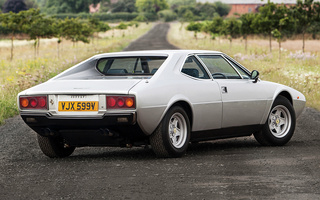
[37,26]
[177,3]
[283,25]
[122,26]
[74,30]
[265,20]
[206,10]
[232,28]
[222,9]
[214,27]
[246,26]
[14,6]
[69,6]
[306,13]
[151,6]
[12,22]
[195,27]
[124,6]
[97,25]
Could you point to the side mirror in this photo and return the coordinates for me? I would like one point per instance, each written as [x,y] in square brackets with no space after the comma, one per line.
[255,75]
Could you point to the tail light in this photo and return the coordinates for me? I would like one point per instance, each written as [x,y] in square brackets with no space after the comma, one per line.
[33,102]
[121,102]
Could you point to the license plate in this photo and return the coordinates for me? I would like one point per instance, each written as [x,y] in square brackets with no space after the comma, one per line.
[78,106]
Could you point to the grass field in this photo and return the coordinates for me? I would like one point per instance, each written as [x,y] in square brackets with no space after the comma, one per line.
[26,70]
[295,69]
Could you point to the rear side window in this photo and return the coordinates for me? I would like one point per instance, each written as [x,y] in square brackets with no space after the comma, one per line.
[192,67]
[128,66]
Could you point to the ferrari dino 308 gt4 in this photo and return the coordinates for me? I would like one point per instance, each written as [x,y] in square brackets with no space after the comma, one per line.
[165,98]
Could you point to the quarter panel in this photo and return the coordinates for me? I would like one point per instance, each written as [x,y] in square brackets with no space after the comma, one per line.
[155,97]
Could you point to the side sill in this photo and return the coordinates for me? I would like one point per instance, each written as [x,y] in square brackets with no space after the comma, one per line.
[225,133]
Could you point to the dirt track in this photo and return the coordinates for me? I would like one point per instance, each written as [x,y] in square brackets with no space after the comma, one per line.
[224,169]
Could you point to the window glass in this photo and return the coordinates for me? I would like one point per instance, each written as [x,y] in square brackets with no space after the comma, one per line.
[192,67]
[130,65]
[244,74]
[219,67]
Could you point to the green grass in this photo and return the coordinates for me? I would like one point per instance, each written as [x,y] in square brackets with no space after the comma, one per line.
[297,70]
[26,71]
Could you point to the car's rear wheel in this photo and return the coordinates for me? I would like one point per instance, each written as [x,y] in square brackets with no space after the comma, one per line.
[280,124]
[171,138]
[54,147]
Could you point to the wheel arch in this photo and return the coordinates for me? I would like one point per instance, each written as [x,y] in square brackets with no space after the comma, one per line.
[285,94]
[186,107]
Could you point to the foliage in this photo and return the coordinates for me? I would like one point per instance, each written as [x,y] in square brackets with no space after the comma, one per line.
[188,16]
[167,15]
[222,9]
[37,26]
[140,18]
[151,6]
[195,27]
[12,22]
[14,6]
[97,25]
[31,4]
[215,26]
[124,6]
[265,20]
[306,14]
[176,3]
[68,6]
[122,26]
[29,71]
[246,26]
[231,27]
[121,16]
[204,11]
[73,30]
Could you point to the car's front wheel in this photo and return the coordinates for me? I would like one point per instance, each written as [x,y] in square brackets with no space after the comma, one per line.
[171,138]
[54,147]
[280,124]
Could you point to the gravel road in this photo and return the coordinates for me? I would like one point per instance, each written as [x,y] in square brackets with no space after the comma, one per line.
[222,169]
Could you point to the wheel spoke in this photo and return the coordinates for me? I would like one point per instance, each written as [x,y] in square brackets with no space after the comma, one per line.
[271,126]
[278,113]
[282,121]
[278,129]
[175,122]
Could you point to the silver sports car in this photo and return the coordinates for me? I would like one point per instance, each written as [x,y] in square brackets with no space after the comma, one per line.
[165,99]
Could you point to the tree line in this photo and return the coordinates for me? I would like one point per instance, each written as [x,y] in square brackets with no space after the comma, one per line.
[142,10]
[272,20]
[36,25]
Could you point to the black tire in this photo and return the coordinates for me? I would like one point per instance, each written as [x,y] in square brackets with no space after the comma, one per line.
[54,147]
[280,124]
[177,125]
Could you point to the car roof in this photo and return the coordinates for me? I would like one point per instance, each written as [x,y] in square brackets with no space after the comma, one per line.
[154,53]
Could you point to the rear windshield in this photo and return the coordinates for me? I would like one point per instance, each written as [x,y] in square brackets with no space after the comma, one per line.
[128,66]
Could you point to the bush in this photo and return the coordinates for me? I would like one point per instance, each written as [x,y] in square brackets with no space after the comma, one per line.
[167,15]
[121,16]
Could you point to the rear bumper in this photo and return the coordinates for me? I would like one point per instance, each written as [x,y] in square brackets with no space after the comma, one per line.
[108,130]
[37,121]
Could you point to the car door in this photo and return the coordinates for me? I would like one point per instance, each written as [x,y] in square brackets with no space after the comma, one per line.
[204,93]
[243,101]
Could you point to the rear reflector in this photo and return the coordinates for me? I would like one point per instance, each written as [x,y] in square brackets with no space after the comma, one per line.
[120,102]
[33,102]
